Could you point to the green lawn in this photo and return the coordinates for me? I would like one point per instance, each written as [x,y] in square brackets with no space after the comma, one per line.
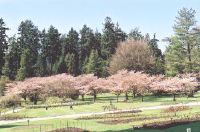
[104,100]
[94,124]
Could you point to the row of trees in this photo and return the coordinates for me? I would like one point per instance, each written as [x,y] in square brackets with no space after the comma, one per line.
[33,52]
[67,86]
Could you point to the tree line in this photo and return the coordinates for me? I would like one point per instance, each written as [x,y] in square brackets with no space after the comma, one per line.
[35,53]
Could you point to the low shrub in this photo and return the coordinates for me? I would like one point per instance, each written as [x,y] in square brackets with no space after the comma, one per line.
[11,117]
[176,109]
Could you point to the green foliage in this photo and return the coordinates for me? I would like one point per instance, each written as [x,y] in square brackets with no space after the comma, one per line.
[3,42]
[92,65]
[10,101]
[89,41]
[102,66]
[3,81]
[174,58]
[51,47]
[22,72]
[182,55]
[158,68]
[6,69]
[70,63]
[29,39]
[71,52]
[40,66]
[14,57]
[135,34]
[52,53]
[112,35]
[53,100]
[62,67]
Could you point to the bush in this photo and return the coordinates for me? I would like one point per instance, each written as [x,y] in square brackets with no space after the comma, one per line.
[176,109]
[11,117]
[74,96]
[10,101]
[53,100]
[3,81]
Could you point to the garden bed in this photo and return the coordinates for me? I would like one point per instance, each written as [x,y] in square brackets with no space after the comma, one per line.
[168,124]
[127,120]
[70,129]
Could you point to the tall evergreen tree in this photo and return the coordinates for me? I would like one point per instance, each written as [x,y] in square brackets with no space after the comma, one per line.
[157,53]
[14,56]
[52,46]
[182,54]
[71,48]
[29,36]
[112,35]
[174,58]
[108,43]
[185,21]
[3,43]
[88,41]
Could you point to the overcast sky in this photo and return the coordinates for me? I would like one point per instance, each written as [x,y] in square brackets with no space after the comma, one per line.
[150,16]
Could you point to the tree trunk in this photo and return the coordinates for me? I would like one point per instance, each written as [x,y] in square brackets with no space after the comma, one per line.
[189,56]
[142,98]
[133,94]
[35,101]
[95,95]
[13,109]
[126,96]
[82,96]
[191,94]
[24,99]
[174,97]
[117,97]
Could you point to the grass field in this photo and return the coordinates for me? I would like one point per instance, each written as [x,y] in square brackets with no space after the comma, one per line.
[94,125]
[104,100]
[97,124]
